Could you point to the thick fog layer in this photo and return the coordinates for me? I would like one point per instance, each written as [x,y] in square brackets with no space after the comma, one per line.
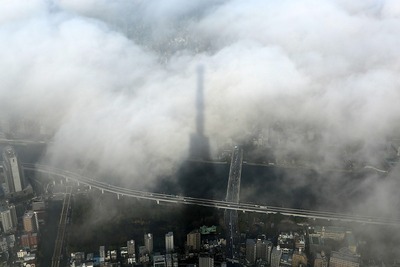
[115,81]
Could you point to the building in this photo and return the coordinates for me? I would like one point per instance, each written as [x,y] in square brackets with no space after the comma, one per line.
[263,250]
[175,260]
[193,241]
[205,260]
[286,258]
[8,218]
[30,221]
[131,251]
[204,230]
[351,242]
[300,242]
[148,242]
[171,260]
[13,172]
[286,240]
[344,258]
[321,260]
[299,258]
[250,251]
[168,260]
[315,243]
[159,261]
[102,253]
[276,255]
[29,240]
[38,205]
[143,255]
[331,232]
[169,242]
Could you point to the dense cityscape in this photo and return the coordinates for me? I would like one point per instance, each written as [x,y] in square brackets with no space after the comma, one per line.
[201,133]
[48,219]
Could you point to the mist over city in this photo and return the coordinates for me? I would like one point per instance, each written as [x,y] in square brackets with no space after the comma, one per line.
[308,89]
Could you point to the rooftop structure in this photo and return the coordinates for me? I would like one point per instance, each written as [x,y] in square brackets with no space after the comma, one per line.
[204,230]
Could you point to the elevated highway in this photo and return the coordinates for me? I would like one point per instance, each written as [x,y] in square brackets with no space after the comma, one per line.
[219,204]
[232,196]
[59,244]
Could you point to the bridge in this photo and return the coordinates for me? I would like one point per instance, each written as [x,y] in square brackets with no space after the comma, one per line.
[219,204]
[22,142]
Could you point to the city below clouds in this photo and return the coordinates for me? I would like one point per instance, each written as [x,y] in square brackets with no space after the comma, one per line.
[116,80]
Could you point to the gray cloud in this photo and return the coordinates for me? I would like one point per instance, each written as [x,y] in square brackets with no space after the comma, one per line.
[116,80]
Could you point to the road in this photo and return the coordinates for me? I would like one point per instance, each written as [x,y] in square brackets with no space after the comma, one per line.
[24,142]
[59,244]
[227,205]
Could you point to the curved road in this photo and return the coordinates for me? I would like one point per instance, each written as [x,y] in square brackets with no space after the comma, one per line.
[244,207]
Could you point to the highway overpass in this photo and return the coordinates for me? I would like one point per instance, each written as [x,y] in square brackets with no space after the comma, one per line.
[219,204]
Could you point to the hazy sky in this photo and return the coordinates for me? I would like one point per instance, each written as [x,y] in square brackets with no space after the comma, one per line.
[117,79]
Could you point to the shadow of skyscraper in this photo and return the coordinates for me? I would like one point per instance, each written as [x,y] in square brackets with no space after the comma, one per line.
[199,144]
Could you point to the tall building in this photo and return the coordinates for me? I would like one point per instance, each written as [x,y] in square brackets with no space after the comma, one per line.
[102,253]
[169,242]
[30,221]
[205,260]
[276,255]
[131,250]
[193,241]
[8,218]
[14,174]
[263,250]
[251,251]
[13,214]
[148,242]
[269,251]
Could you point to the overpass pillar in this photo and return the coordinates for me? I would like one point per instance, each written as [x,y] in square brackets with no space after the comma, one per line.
[102,191]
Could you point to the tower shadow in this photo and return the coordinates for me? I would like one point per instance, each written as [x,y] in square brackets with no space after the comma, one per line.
[198,176]
[199,143]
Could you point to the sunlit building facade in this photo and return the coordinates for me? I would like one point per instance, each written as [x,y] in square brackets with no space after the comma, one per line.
[13,172]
